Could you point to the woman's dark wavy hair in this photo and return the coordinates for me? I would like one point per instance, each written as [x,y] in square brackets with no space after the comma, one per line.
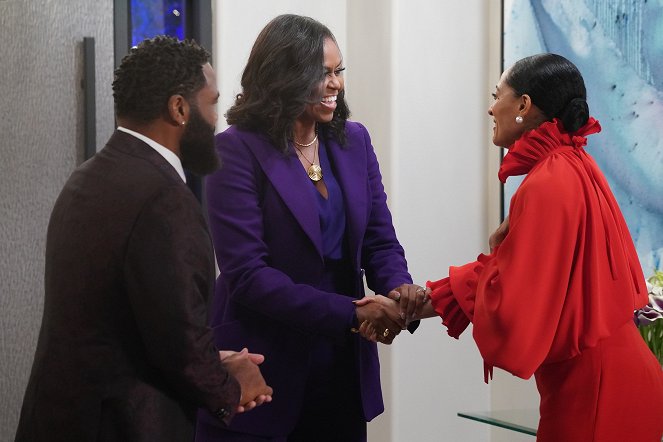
[555,86]
[153,72]
[283,74]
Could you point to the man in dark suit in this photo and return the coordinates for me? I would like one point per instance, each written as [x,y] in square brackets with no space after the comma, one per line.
[124,353]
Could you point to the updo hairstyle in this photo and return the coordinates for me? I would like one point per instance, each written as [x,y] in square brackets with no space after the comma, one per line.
[555,86]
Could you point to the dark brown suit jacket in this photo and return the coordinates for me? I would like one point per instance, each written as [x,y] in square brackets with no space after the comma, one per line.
[124,353]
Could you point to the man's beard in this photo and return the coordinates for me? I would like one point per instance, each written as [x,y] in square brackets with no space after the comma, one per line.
[197,150]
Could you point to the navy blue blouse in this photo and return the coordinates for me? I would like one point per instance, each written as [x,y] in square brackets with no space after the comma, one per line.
[331,209]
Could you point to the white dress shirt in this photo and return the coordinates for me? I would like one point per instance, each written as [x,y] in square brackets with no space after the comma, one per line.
[168,154]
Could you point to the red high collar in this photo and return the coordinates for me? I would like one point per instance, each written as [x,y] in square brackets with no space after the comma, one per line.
[538,143]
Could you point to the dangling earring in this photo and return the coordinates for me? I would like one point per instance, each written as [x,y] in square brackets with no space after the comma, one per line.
[519,120]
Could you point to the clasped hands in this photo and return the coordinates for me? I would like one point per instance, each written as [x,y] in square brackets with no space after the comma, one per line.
[382,318]
[244,367]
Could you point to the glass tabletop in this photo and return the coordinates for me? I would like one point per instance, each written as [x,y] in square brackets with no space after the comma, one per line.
[522,421]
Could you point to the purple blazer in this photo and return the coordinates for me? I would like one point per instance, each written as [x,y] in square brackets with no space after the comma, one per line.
[266,232]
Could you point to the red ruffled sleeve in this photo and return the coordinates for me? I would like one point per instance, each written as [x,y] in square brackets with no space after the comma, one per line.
[566,275]
[453,297]
[448,308]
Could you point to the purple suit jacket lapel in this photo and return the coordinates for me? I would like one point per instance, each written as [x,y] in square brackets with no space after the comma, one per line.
[284,171]
[349,170]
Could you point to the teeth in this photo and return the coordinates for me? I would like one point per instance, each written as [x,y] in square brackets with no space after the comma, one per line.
[329,99]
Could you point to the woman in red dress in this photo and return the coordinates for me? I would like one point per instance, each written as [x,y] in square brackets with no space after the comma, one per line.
[556,298]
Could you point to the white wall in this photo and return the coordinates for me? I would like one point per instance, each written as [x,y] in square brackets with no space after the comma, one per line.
[419,76]
[437,186]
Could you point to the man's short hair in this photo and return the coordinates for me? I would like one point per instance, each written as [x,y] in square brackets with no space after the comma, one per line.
[154,71]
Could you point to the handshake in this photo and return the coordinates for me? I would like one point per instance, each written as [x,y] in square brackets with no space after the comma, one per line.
[382,318]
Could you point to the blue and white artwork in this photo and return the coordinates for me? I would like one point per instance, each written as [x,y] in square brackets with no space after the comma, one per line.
[618,47]
[150,18]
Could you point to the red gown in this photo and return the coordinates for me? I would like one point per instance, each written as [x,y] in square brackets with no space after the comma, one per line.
[556,298]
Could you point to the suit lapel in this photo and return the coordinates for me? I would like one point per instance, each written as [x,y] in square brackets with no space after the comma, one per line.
[285,173]
[131,145]
[350,170]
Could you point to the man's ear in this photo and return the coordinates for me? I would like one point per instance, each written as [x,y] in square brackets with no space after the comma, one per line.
[178,110]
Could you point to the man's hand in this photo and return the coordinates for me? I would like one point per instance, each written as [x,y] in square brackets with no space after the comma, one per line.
[243,366]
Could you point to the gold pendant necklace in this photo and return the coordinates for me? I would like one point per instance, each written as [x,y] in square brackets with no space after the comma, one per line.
[314,171]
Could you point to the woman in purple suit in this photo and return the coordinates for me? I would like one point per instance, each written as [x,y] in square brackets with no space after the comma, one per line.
[298,216]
